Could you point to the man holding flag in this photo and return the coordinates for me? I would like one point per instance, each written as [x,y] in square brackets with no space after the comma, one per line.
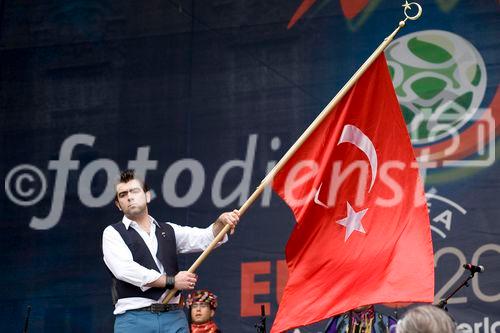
[362,235]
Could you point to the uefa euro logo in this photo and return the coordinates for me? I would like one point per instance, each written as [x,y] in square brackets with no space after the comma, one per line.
[440,81]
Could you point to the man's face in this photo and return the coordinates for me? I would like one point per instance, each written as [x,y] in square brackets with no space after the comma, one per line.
[201,312]
[132,199]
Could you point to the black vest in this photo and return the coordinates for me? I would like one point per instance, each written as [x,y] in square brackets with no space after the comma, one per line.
[166,254]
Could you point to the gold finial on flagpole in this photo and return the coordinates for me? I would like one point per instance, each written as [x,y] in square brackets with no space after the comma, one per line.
[407,7]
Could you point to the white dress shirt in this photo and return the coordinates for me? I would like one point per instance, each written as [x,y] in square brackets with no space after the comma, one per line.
[120,262]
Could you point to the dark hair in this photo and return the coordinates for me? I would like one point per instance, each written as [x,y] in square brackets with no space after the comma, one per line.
[128,175]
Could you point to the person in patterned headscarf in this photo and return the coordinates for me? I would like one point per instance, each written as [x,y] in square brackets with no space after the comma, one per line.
[361,320]
[202,305]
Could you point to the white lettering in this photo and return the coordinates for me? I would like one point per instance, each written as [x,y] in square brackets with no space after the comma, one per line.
[62,166]
[170,180]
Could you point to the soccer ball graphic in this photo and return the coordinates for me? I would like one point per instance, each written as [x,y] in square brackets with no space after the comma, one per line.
[440,80]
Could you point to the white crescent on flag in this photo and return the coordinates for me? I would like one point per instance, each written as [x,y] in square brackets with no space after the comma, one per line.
[355,136]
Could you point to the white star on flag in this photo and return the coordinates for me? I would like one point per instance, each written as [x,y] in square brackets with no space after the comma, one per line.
[352,222]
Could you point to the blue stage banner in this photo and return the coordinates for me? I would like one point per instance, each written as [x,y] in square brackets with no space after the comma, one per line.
[203,98]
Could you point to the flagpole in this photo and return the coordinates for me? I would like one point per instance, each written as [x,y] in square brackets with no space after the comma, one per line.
[312,127]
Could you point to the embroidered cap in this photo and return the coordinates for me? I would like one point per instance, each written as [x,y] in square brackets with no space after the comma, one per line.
[204,296]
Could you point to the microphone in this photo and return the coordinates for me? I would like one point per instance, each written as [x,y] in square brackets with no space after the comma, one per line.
[473,269]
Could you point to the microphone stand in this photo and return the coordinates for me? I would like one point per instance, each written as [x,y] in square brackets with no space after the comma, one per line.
[261,325]
[444,301]
[26,321]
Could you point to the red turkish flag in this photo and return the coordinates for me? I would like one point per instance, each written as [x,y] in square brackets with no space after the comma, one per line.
[362,234]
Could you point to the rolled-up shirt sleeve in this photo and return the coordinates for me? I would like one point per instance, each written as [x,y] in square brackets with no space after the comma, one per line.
[120,262]
[192,239]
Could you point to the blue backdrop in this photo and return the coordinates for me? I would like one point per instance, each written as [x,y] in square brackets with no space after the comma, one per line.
[203,97]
